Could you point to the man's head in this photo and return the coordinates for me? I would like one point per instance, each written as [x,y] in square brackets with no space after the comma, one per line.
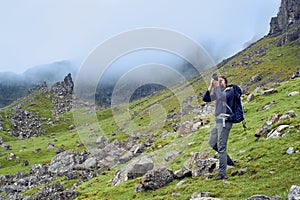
[223,81]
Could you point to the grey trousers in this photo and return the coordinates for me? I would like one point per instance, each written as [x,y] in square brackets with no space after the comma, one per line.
[218,141]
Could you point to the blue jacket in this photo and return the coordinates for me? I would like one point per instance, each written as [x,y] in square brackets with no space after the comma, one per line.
[221,98]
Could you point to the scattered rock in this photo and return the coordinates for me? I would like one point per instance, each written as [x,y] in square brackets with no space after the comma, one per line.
[276,132]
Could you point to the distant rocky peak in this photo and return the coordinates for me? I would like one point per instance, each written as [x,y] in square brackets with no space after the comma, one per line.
[287,17]
[65,87]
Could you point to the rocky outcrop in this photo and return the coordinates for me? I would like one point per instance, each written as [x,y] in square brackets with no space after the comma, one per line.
[63,95]
[286,23]
[156,178]
[287,17]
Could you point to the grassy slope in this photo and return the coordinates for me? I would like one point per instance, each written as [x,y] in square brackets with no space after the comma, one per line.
[266,161]
[260,156]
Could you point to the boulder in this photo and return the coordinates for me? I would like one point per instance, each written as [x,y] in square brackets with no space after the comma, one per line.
[62,162]
[259,197]
[157,178]
[199,163]
[90,162]
[171,155]
[294,193]
[135,169]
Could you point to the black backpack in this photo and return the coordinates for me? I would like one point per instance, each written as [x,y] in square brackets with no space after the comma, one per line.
[237,109]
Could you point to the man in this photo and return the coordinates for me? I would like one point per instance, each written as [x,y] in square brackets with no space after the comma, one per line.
[218,91]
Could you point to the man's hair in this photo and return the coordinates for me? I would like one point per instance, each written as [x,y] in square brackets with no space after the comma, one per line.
[223,77]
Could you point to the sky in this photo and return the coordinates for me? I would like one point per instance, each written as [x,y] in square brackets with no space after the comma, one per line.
[35,32]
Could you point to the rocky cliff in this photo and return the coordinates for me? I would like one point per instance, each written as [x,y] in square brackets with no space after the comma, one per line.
[287,22]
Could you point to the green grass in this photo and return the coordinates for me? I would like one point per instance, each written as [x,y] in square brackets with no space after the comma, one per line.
[265,159]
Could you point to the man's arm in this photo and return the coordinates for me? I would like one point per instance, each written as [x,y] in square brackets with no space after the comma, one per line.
[210,95]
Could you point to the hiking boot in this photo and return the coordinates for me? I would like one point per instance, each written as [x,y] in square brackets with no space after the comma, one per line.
[232,162]
[219,177]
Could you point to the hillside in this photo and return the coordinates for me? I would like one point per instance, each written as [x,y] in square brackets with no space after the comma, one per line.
[54,146]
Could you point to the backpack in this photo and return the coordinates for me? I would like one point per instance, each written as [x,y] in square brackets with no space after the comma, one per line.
[237,109]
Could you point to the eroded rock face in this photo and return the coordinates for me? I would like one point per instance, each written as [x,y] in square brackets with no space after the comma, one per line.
[287,17]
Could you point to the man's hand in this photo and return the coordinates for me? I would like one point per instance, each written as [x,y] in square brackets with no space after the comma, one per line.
[213,83]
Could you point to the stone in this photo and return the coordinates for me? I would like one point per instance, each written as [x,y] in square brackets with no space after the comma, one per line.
[290,150]
[135,169]
[269,92]
[71,127]
[171,155]
[157,178]
[259,197]
[275,133]
[50,146]
[10,156]
[293,93]
[296,74]
[294,193]
[25,163]
[257,78]
[90,163]
[62,162]
[202,196]
[250,97]
[128,155]
[180,183]
[198,164]
[101,142]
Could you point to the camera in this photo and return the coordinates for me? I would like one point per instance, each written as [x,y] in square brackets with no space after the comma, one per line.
[215,77]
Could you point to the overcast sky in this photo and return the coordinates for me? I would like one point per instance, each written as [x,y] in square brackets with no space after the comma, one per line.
[35,32]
